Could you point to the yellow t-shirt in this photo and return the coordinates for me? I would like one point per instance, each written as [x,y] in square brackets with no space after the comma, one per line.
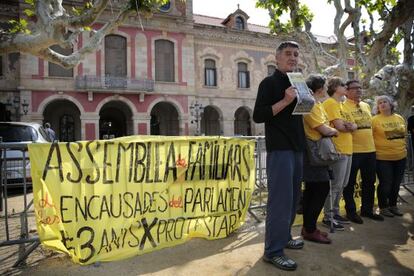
[315,118]
[362,139]
[389,137]
[336,110]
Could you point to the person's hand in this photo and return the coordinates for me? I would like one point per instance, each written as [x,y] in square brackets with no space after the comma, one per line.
[350,126]
[290,94]
[334,132]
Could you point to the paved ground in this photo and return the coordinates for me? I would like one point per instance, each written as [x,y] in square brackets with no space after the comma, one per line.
[374,248]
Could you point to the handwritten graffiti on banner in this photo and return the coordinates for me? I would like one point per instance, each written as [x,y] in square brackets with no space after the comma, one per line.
[112,199]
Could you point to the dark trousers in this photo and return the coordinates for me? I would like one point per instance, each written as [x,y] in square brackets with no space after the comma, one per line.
[390,175]
[284,175]
[314,197]
[365,163]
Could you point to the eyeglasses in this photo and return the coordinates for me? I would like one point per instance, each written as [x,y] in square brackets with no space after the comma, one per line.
[355,87]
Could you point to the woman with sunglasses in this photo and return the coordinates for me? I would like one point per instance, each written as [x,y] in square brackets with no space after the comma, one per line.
[341,119]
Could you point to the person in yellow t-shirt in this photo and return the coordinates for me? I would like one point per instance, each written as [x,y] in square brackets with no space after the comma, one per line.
[389,131]
[363,156]
[341,119]
[316,178]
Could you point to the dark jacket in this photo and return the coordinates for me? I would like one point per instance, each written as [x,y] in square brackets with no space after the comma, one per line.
[283,131]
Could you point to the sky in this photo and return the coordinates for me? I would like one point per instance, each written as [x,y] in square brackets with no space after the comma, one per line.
[322,23]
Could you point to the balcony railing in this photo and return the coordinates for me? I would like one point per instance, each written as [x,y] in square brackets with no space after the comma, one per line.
[88,82]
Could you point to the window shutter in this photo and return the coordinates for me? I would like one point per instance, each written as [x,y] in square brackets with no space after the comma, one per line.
[164,60]
[115,56]
[215,77]
[205,76]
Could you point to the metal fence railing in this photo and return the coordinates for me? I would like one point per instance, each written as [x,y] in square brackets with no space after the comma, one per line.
[259,198]
[15,209]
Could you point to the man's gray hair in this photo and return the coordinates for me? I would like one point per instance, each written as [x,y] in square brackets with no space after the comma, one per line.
[285,44]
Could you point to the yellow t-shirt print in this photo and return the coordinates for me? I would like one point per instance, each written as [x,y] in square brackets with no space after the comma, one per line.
[389,136]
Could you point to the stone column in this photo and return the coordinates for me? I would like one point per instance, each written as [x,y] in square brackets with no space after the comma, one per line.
[90,126]
[141,124]
[228,127]
[184,118]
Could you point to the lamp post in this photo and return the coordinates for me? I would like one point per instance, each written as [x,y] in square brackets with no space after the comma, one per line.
[15,103]
[196,111]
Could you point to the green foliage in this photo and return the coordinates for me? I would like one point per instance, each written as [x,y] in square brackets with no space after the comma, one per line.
[379,6]
[18,26]
[21,25]
[30,2]
[305,13]
[280,7]
[77,11]
[146,6]
[29,12]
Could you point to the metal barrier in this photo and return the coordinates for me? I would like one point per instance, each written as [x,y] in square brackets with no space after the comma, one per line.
[259,197]
[408,179]
[15,178]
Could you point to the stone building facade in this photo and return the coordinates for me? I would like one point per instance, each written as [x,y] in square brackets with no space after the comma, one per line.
[176,73]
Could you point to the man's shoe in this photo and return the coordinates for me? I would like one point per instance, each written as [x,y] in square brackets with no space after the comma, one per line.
[395,211]
[386,213]
[355,218]
[341,219]
[336,225]
[325,234]
[316,236]
[295,244]
[281,262]
[372,216]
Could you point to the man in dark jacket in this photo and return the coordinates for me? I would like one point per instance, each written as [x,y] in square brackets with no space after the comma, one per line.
[285,140]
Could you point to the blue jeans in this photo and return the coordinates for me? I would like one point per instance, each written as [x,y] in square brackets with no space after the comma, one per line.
[365,163]
[390,175]
[284,176]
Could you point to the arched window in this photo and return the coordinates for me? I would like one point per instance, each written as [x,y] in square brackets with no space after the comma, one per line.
[271,69]
[243,75]
[57,70]
[210,73]
[115,56]
[164,60]
[239,23]
[242,125]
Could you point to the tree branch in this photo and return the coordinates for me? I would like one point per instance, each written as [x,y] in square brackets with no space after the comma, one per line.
[399,14]
[87,18]
[90,47]
[408,50]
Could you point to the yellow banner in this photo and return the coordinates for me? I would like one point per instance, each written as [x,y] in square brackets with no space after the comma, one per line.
[106,200]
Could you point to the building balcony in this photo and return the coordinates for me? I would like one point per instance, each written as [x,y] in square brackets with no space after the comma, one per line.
[89,82]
